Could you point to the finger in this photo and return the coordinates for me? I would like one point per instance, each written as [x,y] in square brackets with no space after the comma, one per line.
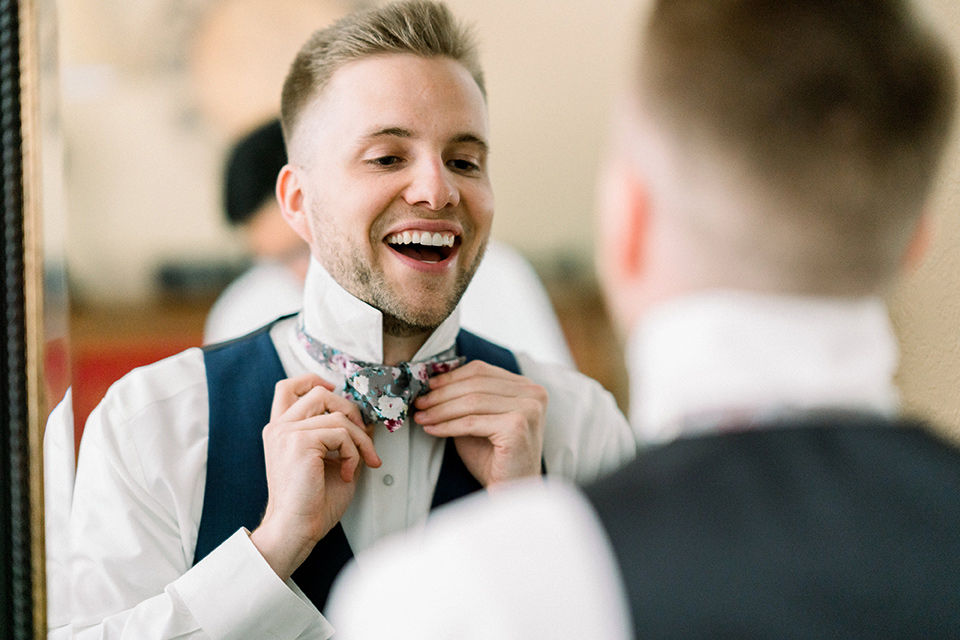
[320,400]
[287,392]
[473,368]
[480,426]
[340,441]
[471,404]
[507,387]
[360,437]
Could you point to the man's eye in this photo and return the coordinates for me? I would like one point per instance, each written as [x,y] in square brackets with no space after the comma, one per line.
[464,165]
[385,161]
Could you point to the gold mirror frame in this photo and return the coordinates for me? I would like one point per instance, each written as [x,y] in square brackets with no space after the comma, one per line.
[23,589]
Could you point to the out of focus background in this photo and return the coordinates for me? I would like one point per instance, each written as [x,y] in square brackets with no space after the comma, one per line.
[153,92]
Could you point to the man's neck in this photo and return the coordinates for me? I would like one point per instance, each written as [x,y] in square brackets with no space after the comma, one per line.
[398,349]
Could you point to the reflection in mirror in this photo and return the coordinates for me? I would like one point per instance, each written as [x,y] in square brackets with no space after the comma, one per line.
[148,113]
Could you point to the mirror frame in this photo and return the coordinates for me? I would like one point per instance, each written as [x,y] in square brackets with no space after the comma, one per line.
[22,563]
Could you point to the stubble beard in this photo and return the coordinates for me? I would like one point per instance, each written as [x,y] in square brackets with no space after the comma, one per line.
[400,320]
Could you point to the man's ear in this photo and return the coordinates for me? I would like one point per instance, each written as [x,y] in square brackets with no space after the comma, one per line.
[636,227]
[624,232]
[292,199]
[625,221]
[919,243]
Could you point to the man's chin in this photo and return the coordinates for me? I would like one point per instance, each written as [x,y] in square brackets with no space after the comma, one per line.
[410,322]
[399,328]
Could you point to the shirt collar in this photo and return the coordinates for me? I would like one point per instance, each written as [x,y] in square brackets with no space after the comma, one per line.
[334,316]
[697,360]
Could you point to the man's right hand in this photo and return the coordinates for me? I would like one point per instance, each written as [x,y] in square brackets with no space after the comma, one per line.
[314,446]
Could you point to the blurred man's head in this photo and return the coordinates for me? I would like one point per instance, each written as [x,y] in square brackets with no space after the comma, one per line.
[249,196]
[387,144]
[773,146]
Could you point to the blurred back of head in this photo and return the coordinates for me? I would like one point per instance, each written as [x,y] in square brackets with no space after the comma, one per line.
[791,142]
[251,172]
[250,179]
[415,27]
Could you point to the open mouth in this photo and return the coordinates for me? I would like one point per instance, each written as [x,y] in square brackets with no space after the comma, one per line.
[424,246]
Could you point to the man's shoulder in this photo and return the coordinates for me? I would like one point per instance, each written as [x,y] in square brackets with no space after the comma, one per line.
[586,432]
[520,530]
[180,376]
[803,451]
[559,378]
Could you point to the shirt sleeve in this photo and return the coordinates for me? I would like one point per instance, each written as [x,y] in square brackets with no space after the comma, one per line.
[529,561]
[586,433]
[58,477]
[134,519]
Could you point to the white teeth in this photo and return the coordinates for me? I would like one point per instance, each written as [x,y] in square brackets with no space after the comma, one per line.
[425,238]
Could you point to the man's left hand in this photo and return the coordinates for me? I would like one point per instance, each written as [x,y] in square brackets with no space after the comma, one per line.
[495,417]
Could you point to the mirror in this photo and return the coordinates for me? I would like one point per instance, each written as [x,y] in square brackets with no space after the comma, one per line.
[135,121]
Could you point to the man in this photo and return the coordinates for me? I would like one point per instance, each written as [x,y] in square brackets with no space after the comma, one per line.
[273,286]
[773,165]
[190,518]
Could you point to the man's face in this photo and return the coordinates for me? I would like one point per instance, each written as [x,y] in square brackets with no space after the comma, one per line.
[392,162]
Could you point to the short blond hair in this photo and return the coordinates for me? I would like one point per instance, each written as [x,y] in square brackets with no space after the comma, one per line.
[836,112]
[417,27]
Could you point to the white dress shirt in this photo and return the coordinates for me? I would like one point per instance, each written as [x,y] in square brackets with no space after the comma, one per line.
[140,482]
[534,562]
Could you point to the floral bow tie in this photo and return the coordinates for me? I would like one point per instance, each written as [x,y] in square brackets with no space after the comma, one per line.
[383,393]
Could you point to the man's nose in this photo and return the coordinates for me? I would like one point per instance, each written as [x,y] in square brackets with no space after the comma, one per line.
[432,186]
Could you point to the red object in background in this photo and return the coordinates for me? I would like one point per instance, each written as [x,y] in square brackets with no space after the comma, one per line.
[96,366]
[56,371]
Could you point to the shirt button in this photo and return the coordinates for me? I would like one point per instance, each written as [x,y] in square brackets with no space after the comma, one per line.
[388,479]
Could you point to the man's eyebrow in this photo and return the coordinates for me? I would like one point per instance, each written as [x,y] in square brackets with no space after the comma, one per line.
[471,138]
[390,132]
[400,132]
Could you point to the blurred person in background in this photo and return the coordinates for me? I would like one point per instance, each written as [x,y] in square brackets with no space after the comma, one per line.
[273,286]
[766,186]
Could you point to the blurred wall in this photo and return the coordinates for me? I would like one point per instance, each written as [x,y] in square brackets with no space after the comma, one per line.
[926,306]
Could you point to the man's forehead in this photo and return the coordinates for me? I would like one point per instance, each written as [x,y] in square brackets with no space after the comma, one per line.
[400,96]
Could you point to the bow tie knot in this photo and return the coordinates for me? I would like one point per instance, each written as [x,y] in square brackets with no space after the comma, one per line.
[383,393]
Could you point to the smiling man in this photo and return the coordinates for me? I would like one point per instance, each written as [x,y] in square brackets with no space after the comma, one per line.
[220,492]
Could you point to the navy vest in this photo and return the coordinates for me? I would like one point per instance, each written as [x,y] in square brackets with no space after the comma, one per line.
[834,528]
[241,375]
